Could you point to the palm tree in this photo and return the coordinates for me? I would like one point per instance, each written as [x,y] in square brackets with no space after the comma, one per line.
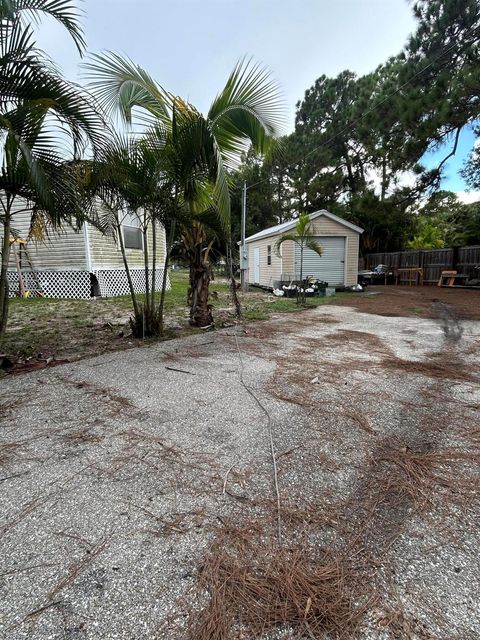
[130,177]
[203,147]
[303,236]
[37,109]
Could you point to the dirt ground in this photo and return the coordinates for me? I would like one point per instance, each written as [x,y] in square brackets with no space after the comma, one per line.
[42,332]
[424,301]
[311,476]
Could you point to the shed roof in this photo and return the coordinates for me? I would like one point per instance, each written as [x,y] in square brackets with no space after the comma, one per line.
[286,226]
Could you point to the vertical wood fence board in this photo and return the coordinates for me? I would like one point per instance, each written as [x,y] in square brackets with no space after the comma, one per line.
[432,261]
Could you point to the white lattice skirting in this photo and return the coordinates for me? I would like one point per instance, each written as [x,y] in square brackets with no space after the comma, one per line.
[114,282]
[83,284]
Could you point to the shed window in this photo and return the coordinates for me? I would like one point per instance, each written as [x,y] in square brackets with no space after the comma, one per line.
[269,254]
[132,232]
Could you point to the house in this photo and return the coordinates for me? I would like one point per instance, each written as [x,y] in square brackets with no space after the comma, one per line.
[338,264]
[83,263]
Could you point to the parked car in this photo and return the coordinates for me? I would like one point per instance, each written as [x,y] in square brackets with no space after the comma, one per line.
[381,274]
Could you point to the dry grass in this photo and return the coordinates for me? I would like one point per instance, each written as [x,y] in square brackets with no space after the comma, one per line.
[25,511]
[177,523]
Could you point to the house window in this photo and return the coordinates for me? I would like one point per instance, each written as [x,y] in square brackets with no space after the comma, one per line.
[269,254]
[132,232]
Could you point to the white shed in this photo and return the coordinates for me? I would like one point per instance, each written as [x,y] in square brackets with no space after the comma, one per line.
[338,264]
[84,263]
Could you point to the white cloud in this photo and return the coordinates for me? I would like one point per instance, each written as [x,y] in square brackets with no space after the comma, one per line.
[468,196]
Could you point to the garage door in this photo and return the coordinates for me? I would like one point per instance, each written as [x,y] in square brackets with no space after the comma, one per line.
[330,266]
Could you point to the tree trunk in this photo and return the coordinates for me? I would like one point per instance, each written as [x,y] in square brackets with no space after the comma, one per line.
[4,270]
[145,263]
[350,177]
[279,196]
[384,178]
[302,293]
[161,306]
[154,260]
[200,276]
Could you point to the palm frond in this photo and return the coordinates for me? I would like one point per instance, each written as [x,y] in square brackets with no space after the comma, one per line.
[63,11]
[27,85]
[121,85]
[250,108]
[313,245]
[303,226]
[284,238]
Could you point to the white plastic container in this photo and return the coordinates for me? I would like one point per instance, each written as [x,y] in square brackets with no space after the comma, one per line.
[329,292]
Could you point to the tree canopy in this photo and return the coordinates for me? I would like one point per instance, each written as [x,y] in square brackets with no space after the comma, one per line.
[359,141]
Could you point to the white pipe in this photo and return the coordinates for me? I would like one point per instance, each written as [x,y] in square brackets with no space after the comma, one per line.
[88,255]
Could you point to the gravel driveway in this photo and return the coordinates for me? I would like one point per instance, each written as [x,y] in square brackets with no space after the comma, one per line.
[117,472]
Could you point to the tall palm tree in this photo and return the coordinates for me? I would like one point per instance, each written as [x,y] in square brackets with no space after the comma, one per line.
[304,237]
[45,122]
[204,147]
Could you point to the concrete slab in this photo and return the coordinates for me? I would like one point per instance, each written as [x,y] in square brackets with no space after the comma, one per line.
[116,469]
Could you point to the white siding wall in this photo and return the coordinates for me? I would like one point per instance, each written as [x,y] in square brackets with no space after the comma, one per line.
[105,251]
[61,250]
[269,274]
[66,249]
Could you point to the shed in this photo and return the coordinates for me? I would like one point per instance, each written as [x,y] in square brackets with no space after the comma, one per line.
[72,263]
[338,264]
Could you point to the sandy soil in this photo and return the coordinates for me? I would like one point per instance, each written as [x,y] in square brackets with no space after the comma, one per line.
[423,302]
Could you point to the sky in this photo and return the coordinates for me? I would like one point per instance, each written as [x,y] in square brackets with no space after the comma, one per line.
[190,46]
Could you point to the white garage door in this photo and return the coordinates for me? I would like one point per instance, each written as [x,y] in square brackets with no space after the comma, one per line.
[330,266]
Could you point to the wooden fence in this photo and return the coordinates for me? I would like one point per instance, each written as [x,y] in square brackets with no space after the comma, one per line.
[432,261]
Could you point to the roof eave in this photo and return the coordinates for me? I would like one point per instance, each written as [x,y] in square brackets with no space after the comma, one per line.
[316,214]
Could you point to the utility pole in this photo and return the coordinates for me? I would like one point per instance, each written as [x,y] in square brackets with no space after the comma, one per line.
[243,247]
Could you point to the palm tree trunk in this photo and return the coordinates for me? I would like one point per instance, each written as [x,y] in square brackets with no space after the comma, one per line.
[301,298]
[200,311]
[4,270]
[154,260]
[136,309]
[145,262]
[161,306]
